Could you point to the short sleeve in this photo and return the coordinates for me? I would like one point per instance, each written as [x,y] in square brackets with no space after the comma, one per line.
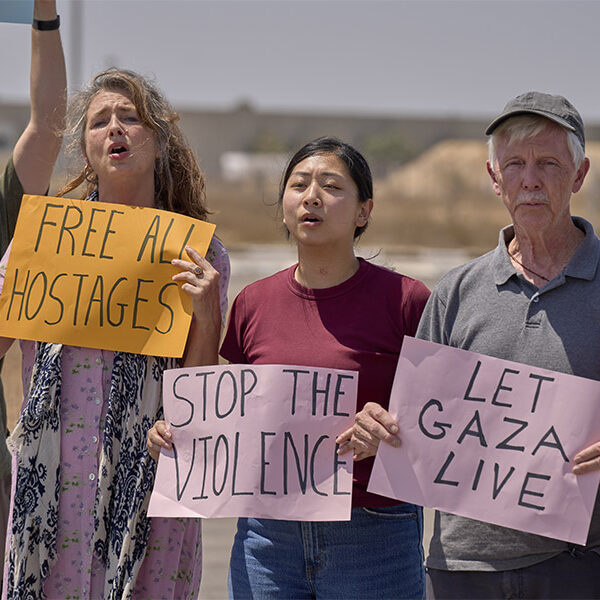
[432,324]
[217,256]
[232,348]
[413,307]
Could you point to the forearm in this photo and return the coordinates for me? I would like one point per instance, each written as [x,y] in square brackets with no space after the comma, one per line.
[203,345]
[36,150]
[48,79]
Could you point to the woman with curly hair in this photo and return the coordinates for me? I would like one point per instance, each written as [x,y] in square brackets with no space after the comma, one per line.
[83,474]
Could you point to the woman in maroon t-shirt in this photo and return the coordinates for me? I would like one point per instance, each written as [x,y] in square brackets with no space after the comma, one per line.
[332,310]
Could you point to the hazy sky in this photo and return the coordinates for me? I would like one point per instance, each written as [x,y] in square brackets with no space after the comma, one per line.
[422,57]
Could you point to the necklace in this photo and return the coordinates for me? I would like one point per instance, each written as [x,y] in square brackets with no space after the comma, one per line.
[526,268]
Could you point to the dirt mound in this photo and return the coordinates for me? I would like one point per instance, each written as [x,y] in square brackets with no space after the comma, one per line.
[452,166]
[444,198]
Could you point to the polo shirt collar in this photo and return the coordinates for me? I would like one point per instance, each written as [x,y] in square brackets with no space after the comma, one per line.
[583,265]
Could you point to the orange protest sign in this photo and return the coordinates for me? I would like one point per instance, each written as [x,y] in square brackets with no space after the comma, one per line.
[98,275]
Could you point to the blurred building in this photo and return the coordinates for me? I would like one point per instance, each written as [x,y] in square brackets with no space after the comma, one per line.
[244,142]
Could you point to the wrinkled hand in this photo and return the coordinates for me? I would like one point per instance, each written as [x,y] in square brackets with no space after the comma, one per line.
[371,425]
[587,460]
[158,437]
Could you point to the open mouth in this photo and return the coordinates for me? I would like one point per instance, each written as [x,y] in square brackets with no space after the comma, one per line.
[117,149]
[310,219]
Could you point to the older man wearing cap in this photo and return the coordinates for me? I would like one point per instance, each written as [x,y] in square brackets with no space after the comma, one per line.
[535,300]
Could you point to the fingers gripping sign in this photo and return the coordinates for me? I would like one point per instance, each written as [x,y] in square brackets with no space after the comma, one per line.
[587,460]
[372,425]
[200,280]
[159,436]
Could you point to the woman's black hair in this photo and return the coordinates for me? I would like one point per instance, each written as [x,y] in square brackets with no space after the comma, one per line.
[355,163]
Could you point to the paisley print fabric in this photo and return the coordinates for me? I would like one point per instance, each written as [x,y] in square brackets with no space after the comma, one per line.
[125,475]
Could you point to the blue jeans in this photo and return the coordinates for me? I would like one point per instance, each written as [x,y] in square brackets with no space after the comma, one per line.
[377,554]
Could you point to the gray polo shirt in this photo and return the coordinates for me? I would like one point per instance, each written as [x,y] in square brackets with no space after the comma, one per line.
[486,306]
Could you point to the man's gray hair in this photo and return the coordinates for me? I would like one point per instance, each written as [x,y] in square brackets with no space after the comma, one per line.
[523,127]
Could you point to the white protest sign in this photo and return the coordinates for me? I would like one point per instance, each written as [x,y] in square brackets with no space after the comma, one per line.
[492,440]
[256,441]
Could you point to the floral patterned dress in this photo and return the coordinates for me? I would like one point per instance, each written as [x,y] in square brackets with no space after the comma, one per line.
[172,565]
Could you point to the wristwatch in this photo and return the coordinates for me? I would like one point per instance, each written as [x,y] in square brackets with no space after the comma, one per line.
[49,25]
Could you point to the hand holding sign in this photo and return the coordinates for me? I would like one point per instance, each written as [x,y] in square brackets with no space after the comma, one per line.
[201,282]
[371,425]
[100,272]
[254,440]
[587,460]
[159,436]
[488,439]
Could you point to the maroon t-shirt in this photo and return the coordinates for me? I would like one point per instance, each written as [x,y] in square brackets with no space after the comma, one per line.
[357,325]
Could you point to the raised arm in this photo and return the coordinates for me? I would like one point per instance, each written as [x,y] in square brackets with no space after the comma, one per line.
[36,150]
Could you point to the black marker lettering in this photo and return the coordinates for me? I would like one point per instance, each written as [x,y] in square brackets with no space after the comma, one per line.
[16,292]
[302,472]
[41,275]
[137,300]
[525,491]
[67,229]
[216,461]
[440,426]
[108,232]
[556,444]
[338,393]
[503,445]
[44,222]
[236,451]
[264,462]
[91,230]
[442,472]
[60,302]
[295,373]
[467,395]
[312,465]
[477,432]
[119,304]
[171,313]
[179,397]
[501,387]
[498,488]
[151,235]
[541,380]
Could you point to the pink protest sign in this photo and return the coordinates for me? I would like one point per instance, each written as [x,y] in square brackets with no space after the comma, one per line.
[256,441]
[492,440]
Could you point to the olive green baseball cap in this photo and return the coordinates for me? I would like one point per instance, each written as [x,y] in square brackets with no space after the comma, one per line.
[556,108]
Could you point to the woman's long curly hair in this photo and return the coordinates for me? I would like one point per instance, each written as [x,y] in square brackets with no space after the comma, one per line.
[178,180]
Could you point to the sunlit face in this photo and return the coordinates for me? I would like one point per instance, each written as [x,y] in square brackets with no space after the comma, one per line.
[117,143]
[321,202]
[535,178]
